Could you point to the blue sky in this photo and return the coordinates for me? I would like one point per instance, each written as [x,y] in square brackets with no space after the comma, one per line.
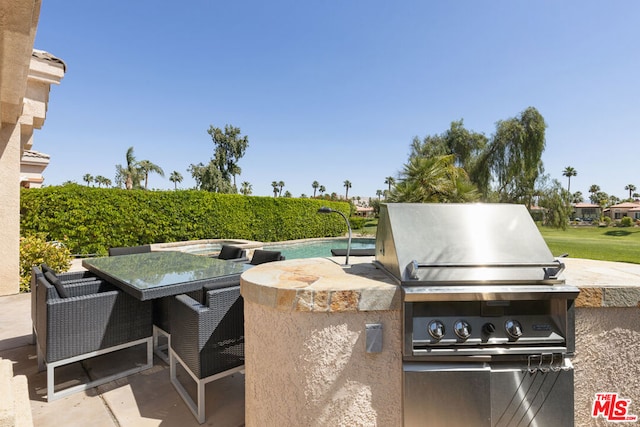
[331,90]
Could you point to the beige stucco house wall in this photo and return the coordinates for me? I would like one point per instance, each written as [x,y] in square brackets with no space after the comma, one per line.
[25,80]
[619,211]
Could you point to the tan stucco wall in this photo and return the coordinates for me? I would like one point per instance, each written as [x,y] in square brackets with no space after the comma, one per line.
[305,345]
[24,92]
[311,369]
[607,359]
[9,208]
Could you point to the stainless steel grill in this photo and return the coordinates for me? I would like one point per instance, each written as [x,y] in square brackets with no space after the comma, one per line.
[488,322]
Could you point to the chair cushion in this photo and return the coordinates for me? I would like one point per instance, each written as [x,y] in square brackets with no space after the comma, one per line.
[230,252]
[44,267]
[53,279]
[262,256]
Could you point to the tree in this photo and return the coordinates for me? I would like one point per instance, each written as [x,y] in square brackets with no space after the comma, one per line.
[209,178]
[219,175]
[131,174]
[577,197]
[433,180]
[600,198]
[347,185]
[378,193]
[514,158]
[389,181]
[88,178]
[281,186]
[246,188]
[466,147]
[557,203]
[593,190]
[147,167]
[569,172]
[631,189]
[101,180]
[175,177]
[275,186]
[322,189]
[315,186]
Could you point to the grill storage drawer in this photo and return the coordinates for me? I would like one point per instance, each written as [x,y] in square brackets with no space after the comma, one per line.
[487,394]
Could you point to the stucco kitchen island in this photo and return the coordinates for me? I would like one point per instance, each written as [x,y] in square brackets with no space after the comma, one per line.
[306,355]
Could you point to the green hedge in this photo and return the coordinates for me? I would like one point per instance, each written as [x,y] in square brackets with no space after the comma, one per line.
[90,220]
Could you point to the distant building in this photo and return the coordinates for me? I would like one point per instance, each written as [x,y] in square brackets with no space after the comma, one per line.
[588,211]
[365,211]
[619,211]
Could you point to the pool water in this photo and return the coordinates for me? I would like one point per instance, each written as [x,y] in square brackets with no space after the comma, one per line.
[318,248]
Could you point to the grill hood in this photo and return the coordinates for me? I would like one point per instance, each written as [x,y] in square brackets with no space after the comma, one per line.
[432,244]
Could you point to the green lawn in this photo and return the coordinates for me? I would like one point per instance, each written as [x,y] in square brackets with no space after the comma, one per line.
[607,244]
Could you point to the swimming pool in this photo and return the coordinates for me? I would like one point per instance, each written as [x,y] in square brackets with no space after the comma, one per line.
[318,248]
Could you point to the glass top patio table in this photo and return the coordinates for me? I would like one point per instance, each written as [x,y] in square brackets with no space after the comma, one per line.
[158,274]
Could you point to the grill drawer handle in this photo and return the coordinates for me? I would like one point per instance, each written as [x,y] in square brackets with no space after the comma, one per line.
[552,269]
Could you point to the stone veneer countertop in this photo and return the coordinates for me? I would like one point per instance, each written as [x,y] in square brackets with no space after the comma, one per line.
[320,285]
[323,285]
[603,283]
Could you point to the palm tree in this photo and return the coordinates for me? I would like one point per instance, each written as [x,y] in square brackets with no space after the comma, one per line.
[246,188]
[88,178]
[378,193]
[274,184]
[315,186]
[131,174]
[434,180]
[347,185]
[99,179]
[146,167]
[577,197]
[631,189]
[281,185]
[234,170]
[175,177]
[569,172]
[390,181]
[322,189]
[594,189]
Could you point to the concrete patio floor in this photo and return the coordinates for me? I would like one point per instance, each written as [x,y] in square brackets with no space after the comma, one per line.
[143,399]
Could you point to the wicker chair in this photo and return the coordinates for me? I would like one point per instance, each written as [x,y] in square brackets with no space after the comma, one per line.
[261,256]
[233,253]
[93,319]
[66,278]
[207,340]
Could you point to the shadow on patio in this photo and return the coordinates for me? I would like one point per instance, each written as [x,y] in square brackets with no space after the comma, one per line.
[143,399]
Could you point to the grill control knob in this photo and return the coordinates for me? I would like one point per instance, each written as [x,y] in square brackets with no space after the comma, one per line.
[488,328]
[436,329]
[513,328]
[462,328]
